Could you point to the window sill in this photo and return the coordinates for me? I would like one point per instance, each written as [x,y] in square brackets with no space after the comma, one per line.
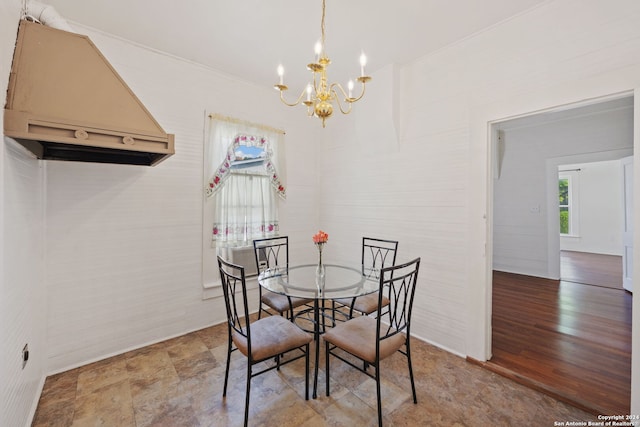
[214,289]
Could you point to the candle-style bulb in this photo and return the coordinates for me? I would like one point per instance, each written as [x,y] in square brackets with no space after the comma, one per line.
[350,86]
[281,73]
[363,62]
[318,50]
[308,91]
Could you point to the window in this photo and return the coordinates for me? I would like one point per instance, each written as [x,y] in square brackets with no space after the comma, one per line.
[564,193]
[245,184]
[569,202]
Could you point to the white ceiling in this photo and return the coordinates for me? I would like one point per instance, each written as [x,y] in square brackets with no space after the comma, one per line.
[249,38]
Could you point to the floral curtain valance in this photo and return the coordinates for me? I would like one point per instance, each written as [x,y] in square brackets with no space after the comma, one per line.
[223,171]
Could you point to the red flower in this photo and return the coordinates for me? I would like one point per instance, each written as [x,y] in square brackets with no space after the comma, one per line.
[320,237]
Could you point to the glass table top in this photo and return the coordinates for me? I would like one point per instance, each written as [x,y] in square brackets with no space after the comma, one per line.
[308,281]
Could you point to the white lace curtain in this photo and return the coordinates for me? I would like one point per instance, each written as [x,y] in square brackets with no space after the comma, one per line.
[245,203]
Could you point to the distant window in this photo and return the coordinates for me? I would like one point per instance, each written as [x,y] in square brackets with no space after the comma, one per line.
[564,193]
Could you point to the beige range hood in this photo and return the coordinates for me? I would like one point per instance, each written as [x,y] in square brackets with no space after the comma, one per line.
[66,102]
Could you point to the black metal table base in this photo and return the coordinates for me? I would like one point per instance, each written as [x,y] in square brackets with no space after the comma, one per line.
[319,322]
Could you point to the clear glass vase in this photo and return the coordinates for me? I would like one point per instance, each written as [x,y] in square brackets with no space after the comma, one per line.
[320,271]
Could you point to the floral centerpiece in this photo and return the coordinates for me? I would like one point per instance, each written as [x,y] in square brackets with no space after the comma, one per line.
[320,238]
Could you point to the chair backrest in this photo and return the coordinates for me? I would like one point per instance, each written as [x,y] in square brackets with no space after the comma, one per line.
[398,283]
[377,254]
[233,279]
[271,252]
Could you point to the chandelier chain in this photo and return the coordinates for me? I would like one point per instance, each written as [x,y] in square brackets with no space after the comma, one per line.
[322,25]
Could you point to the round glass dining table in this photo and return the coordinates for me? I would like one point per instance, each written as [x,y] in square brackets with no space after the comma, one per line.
[314,282]
[319,283]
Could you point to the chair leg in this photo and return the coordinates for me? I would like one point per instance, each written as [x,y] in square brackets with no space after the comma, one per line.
[306,373]
[226,372]
[246,404]
[378,394]
[413,386]
[326,364]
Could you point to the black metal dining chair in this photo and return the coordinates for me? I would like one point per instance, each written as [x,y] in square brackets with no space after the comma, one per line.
[273,336]
[269,253]
[376,254]
[372,339]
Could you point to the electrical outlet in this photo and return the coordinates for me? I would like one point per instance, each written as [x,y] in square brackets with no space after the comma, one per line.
[25,355]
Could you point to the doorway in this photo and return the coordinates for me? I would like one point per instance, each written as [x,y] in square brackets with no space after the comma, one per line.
[591,214]
[526,251]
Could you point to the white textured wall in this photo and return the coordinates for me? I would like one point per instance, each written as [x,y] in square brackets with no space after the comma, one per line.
[600,210]
[124,243]
[520,240]
[22,288]
[431,189]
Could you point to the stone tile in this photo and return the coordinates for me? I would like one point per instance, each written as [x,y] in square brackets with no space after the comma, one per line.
[185,346]
[60,387]
[166,411]
[54,414]
[57,402]
[151,372]
[350,410]
[102,375]
[269,407]
[392,395]
[194,365]
[214,336]
[110,405]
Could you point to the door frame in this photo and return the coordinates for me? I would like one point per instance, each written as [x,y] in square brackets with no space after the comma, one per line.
[479,331]
[553,227]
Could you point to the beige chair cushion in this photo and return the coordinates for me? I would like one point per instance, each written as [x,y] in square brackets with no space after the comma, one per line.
[270,336]
[366,303]
[280,303]
[358,337]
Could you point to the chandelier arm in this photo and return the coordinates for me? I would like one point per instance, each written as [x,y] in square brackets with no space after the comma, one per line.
[297,102]
[337,98]
[315,84]
[339,86]
[335,95]
[364,85]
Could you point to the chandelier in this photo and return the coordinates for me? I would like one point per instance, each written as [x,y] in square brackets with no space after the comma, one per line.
[320,94]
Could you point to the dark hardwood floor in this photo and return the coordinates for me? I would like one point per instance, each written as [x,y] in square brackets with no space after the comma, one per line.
[591,269]
[567,339]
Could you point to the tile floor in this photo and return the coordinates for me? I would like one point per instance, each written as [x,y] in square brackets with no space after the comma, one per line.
[179,382]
